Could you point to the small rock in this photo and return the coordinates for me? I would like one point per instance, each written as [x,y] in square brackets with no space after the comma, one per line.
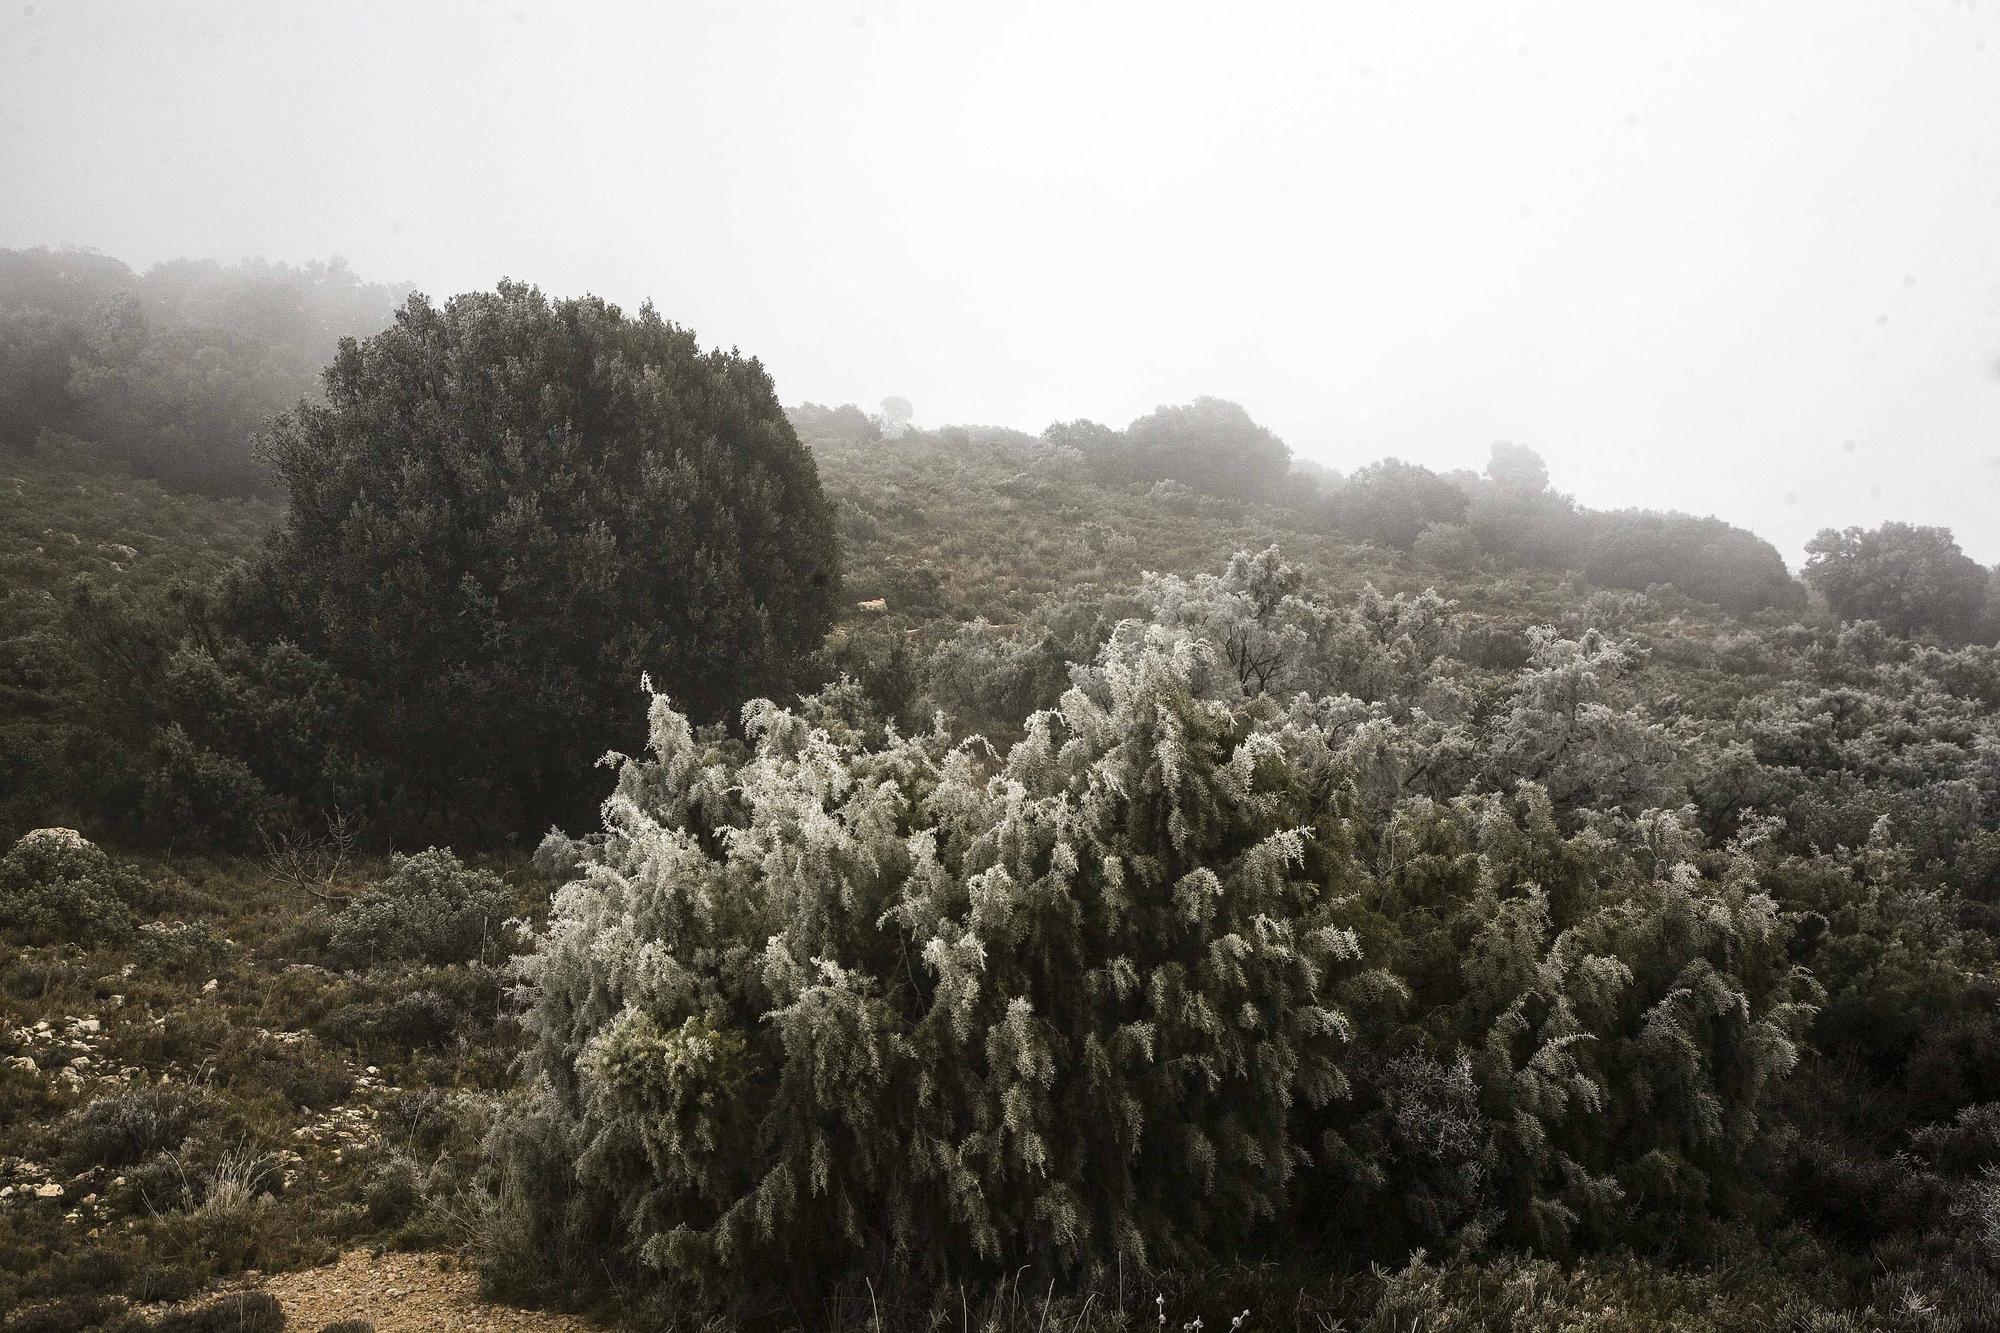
[209,987]
[51,1190]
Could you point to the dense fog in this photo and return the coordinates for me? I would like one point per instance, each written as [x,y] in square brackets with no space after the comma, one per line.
[1741,261]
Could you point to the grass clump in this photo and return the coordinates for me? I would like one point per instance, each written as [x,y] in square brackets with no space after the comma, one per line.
[238,1312]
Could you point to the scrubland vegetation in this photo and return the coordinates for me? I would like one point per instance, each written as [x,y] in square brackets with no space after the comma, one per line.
[1100,879]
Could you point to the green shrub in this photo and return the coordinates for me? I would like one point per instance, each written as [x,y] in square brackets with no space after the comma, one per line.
[431,909]
[394,1194]
[298,1068]
[94,1311]
[122,1128]
[56,887]
[409,1021]
[182,948]
[160,1283]
[195,795]
[92,1271]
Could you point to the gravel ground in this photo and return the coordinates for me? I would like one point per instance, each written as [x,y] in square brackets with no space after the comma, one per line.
[403,1293]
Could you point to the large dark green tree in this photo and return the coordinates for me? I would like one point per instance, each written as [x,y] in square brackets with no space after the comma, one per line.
[1210,444]
[1392,502]
[1912,579]
[507,511]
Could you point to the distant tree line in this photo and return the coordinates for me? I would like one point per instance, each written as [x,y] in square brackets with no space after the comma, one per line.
[1214,447]
[1914,580]
[170,373]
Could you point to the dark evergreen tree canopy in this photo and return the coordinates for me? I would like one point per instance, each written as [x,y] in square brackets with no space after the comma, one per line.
[1210,444]
[1912,579]
[1392,502]
[509,509]
[1703,557]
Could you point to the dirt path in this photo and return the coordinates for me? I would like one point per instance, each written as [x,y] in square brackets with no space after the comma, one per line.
[403,1293]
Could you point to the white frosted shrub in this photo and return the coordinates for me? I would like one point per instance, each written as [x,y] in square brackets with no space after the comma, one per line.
[1264,929]
[431,909]
[808,1005]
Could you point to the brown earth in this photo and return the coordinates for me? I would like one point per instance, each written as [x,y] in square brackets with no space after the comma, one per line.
[404,1293]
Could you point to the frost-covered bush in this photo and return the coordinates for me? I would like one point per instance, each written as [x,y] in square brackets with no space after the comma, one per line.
[431,909]
[1597,1026]
[987,679]
[810,1006]
[1277,639]
[123,1127]
[182,948]
[1568,730]
[57,887]
[1451,545]
[1271,920]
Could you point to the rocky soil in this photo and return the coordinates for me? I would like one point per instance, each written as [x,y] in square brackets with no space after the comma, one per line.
[403,1293]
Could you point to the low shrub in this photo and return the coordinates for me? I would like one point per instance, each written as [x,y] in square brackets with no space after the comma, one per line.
[87,1272]
[297,1066]
[238,1312]
[182,948]
[40,972]
[431,909]
[57,887]
[419,1019]
[160,1283]
[72,1313]
[125,1127]
[394,1194]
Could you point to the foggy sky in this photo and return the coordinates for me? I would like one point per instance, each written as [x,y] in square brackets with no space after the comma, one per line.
[1740,259]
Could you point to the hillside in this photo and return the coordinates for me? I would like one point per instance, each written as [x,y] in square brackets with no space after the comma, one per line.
[82,546]
[254,1064]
